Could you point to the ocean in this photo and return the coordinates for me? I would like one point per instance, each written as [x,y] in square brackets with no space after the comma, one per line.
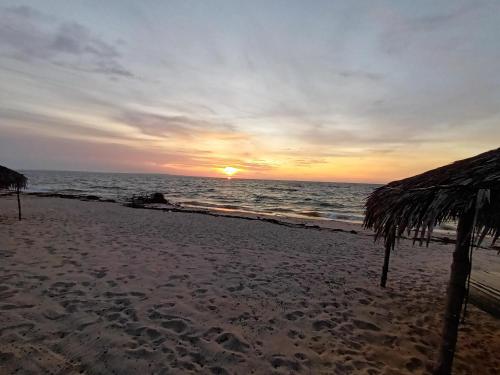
[318,200]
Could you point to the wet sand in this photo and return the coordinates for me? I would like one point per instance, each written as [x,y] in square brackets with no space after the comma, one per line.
[98,288]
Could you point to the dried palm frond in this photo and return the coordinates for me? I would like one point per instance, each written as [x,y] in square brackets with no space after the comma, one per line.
[418,204]
[10,179]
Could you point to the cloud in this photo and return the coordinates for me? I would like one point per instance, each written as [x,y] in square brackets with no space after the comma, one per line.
[17,149]
[361,75]
[404,30]
[440,20]
[29,35]
[257,89]
[60,127]
[180,126]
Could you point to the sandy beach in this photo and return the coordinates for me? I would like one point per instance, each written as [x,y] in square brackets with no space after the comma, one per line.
[99,288]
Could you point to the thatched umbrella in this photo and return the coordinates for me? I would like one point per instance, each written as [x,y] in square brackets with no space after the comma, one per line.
[13,180]
[467,191]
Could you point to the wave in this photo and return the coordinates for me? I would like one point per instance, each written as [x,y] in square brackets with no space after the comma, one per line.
[103,187]
[280,209]
[312,214]
[311,202]
[346,217]
[262,197]
[273,188]
[330,205]
[210,205]
[72,190]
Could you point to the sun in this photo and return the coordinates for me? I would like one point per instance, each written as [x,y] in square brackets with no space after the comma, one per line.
[230,171]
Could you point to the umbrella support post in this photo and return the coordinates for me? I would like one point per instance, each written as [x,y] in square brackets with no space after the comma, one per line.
[385,268]
[18,204]
[455,293]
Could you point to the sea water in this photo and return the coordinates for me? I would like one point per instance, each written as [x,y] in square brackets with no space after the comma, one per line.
[320,200]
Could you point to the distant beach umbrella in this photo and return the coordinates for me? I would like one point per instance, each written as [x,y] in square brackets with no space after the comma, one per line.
[12,180]
[467,191]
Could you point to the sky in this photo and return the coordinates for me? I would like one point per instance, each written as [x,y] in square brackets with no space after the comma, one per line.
[362,91]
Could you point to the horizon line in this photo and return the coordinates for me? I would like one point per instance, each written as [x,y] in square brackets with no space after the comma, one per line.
[197,176]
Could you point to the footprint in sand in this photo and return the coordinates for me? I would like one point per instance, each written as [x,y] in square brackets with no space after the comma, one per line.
[171,322]
[138,294]
[112,283]
[137,331]
[176,325]
[140,353]
[61,287]
[301,356]
[21,329]
[15,307]
[111,294]
[294,315]
[211,333]
[84,325]
[216,370]
[99,272]
[280,361]
[74,305]
[293,334]
[319,325]
[166,305]
[232,342]
[238,288]
[199,292]
[181,277]
[38,277]
[6,356]
[413,364]
[54,315]
[361,324]
[6,292]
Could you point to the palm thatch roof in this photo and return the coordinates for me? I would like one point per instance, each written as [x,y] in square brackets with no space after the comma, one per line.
[10,179]
[467,191]
[424,201]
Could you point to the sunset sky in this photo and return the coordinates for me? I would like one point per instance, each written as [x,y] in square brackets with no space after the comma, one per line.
[339,91]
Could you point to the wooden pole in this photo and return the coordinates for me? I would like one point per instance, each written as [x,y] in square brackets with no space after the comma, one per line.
[18,204]
[455,293]
[385,268]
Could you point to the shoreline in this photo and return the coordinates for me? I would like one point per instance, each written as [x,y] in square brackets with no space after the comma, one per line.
[439,235]
[312,223]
